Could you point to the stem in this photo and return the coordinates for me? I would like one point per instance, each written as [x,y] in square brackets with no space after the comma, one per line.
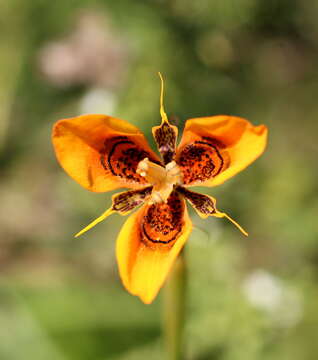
[174,309]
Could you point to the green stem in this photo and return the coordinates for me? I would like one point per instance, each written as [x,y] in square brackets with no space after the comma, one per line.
[174,309]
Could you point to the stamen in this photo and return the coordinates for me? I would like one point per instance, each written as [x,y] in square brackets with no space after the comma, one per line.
[143,165]
[156,198]
[154,173]
[171,165]
[162,179]
[173,173]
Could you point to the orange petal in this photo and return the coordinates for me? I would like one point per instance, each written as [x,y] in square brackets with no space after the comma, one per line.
[213,149]
[100,152]
[148,245]
[205,206]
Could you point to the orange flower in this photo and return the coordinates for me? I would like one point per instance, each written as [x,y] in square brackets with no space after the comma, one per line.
[103,153]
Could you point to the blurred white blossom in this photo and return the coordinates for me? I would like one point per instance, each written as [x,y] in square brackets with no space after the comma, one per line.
[270,294]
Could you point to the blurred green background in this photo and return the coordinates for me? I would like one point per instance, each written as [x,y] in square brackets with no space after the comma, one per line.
[248,298]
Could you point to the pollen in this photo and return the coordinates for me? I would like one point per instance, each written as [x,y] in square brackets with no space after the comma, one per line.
[163,179]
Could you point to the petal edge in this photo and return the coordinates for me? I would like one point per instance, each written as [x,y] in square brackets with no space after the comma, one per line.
[237,143]
[83,144]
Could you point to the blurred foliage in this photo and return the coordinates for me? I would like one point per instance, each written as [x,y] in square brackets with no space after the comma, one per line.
[249,298]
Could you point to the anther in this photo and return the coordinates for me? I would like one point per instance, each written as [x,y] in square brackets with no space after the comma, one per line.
[171,165]
[143,166]
[162,178]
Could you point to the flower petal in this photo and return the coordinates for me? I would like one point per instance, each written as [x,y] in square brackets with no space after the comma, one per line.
[166,134]
[149,243]
[127,201]
[100,152]
[123,203]
[205,206]
[213,149]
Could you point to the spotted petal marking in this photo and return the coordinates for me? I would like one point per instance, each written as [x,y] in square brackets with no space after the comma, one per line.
[127,201]
[121,156]
[166,138]
[100,152]
[165,135]
[202,160]
[205,206]
[162,223]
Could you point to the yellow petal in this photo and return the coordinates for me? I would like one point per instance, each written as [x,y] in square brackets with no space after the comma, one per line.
[100,152]
[143,264]
[213,149]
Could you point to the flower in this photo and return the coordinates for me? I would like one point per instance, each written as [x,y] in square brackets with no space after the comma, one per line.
[103,153]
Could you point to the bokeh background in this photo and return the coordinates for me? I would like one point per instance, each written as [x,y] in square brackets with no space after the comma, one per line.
[248,298]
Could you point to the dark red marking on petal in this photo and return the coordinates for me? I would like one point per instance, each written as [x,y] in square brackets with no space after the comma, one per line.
[128,200]
[121,156]
[202,203]
[162,223]
[202,160]
[166,136]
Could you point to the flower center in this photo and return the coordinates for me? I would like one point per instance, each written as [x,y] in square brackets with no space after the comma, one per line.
[161,178]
